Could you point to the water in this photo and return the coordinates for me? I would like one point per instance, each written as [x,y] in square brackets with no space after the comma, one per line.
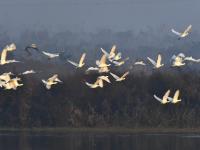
[97,141]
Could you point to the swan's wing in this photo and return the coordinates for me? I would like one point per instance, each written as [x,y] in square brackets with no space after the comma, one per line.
[73,63]
[152,61]
[52,78]
[88,84]
[176,95]
[175,32]
[125,74]
[113,49]
[157,98]
[50,54]
[106,53]
[188,29]
[103,59]
[159,59]
[114,76]
[192,59]
[3,56]
[165,97]
[46,53]
[82,58]
[44,81]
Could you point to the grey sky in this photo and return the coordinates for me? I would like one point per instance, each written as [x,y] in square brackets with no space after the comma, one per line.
[90,15]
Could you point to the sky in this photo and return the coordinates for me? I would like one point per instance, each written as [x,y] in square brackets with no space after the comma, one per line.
[92,15]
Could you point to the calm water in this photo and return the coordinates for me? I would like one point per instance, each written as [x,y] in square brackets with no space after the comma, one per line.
[97,141]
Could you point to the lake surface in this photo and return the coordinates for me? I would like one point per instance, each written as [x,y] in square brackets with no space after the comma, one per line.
[97,141]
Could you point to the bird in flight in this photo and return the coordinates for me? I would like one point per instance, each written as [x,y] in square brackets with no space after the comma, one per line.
[156,64]
[178,61]
[98,82]
[164,99]
[12,84]
[117,78]
[81,61]
[110,55]
[8,48]
[51,81]
[184,33]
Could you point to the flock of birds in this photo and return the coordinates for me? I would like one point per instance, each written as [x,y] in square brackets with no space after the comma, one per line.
[102,66]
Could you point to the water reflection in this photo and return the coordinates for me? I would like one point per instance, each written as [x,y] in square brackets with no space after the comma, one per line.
[97,141]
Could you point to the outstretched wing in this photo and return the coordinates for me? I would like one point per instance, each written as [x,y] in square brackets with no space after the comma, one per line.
[103,59]
[188,29]
[165,97]
[125,74]
[175,32]
[157,98]
[159,59]
[82,58]
[114,76]
[152,61]
[176,95]
[106,53]
[3,56]
[113,49]
[73,63]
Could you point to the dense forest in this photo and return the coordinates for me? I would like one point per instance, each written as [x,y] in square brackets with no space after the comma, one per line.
[120,104]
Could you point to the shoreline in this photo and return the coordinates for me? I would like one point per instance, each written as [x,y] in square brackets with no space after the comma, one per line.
[104,130]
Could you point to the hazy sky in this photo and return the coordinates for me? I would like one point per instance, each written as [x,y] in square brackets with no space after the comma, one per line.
[90,15]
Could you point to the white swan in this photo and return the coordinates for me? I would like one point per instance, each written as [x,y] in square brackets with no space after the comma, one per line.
[81,61]
[184,33]
[8,48]
[164,99]
[178,61]
[12,84]
[117,78]
[175,99]
[98,83]
[156,64]
[51,81]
